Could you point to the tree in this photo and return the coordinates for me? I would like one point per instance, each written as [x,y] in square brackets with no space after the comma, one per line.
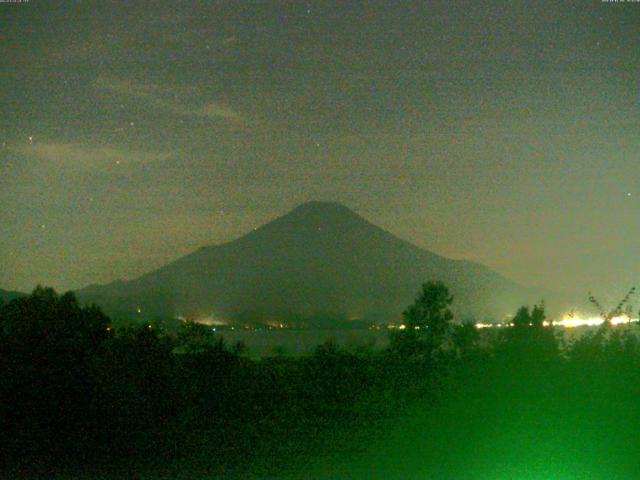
[605,342]
[196,337]
[48,323]
[529,339]
[465,338]
[430,311]
[522,318]
[615,312]
[538,315]
[526,318]
[48,343]
[427,321]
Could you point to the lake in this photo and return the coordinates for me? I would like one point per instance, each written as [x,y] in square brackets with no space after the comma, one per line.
[261,343]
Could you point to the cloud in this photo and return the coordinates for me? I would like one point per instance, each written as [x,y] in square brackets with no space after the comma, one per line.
[213,110]
[169,98]
[76,156]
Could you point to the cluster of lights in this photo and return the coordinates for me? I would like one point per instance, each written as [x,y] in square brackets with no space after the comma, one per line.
[570,321]
[567,321]
[393,326]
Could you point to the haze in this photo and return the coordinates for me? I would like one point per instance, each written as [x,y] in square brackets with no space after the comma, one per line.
[134,133]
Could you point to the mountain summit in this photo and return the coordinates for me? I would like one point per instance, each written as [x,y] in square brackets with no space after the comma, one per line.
[322,209]
[320,260]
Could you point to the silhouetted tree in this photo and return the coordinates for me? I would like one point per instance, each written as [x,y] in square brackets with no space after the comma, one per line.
[617,310]
[195,337]
[538,315]
[529,339]
[465,338]
[534,318]
[606,344]
[522,318]
[430,311]
[427,322]
[47,346]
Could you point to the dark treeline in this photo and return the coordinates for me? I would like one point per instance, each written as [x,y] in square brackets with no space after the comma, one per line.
[78,397]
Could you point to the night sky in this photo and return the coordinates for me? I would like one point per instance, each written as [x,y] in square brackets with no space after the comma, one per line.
[502,132]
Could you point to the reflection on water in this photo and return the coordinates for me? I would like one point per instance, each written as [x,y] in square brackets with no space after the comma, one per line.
[263,343]
[269,342]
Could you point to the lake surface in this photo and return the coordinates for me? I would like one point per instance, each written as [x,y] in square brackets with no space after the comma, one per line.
[263,343]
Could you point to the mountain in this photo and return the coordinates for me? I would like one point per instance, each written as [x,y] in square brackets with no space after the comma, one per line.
[7,295]
[321,260]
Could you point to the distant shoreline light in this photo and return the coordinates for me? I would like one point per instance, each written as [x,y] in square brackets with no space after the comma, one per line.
[567,321]
[571,321]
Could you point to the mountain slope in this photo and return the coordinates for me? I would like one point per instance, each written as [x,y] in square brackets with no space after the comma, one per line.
[7,295]
[319,259]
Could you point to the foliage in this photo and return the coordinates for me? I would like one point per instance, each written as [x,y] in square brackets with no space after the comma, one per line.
[525,318]
[529,340]
[75,391]
[427,321]
[466,338]
[617,310]
[430,311]
[47,347]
